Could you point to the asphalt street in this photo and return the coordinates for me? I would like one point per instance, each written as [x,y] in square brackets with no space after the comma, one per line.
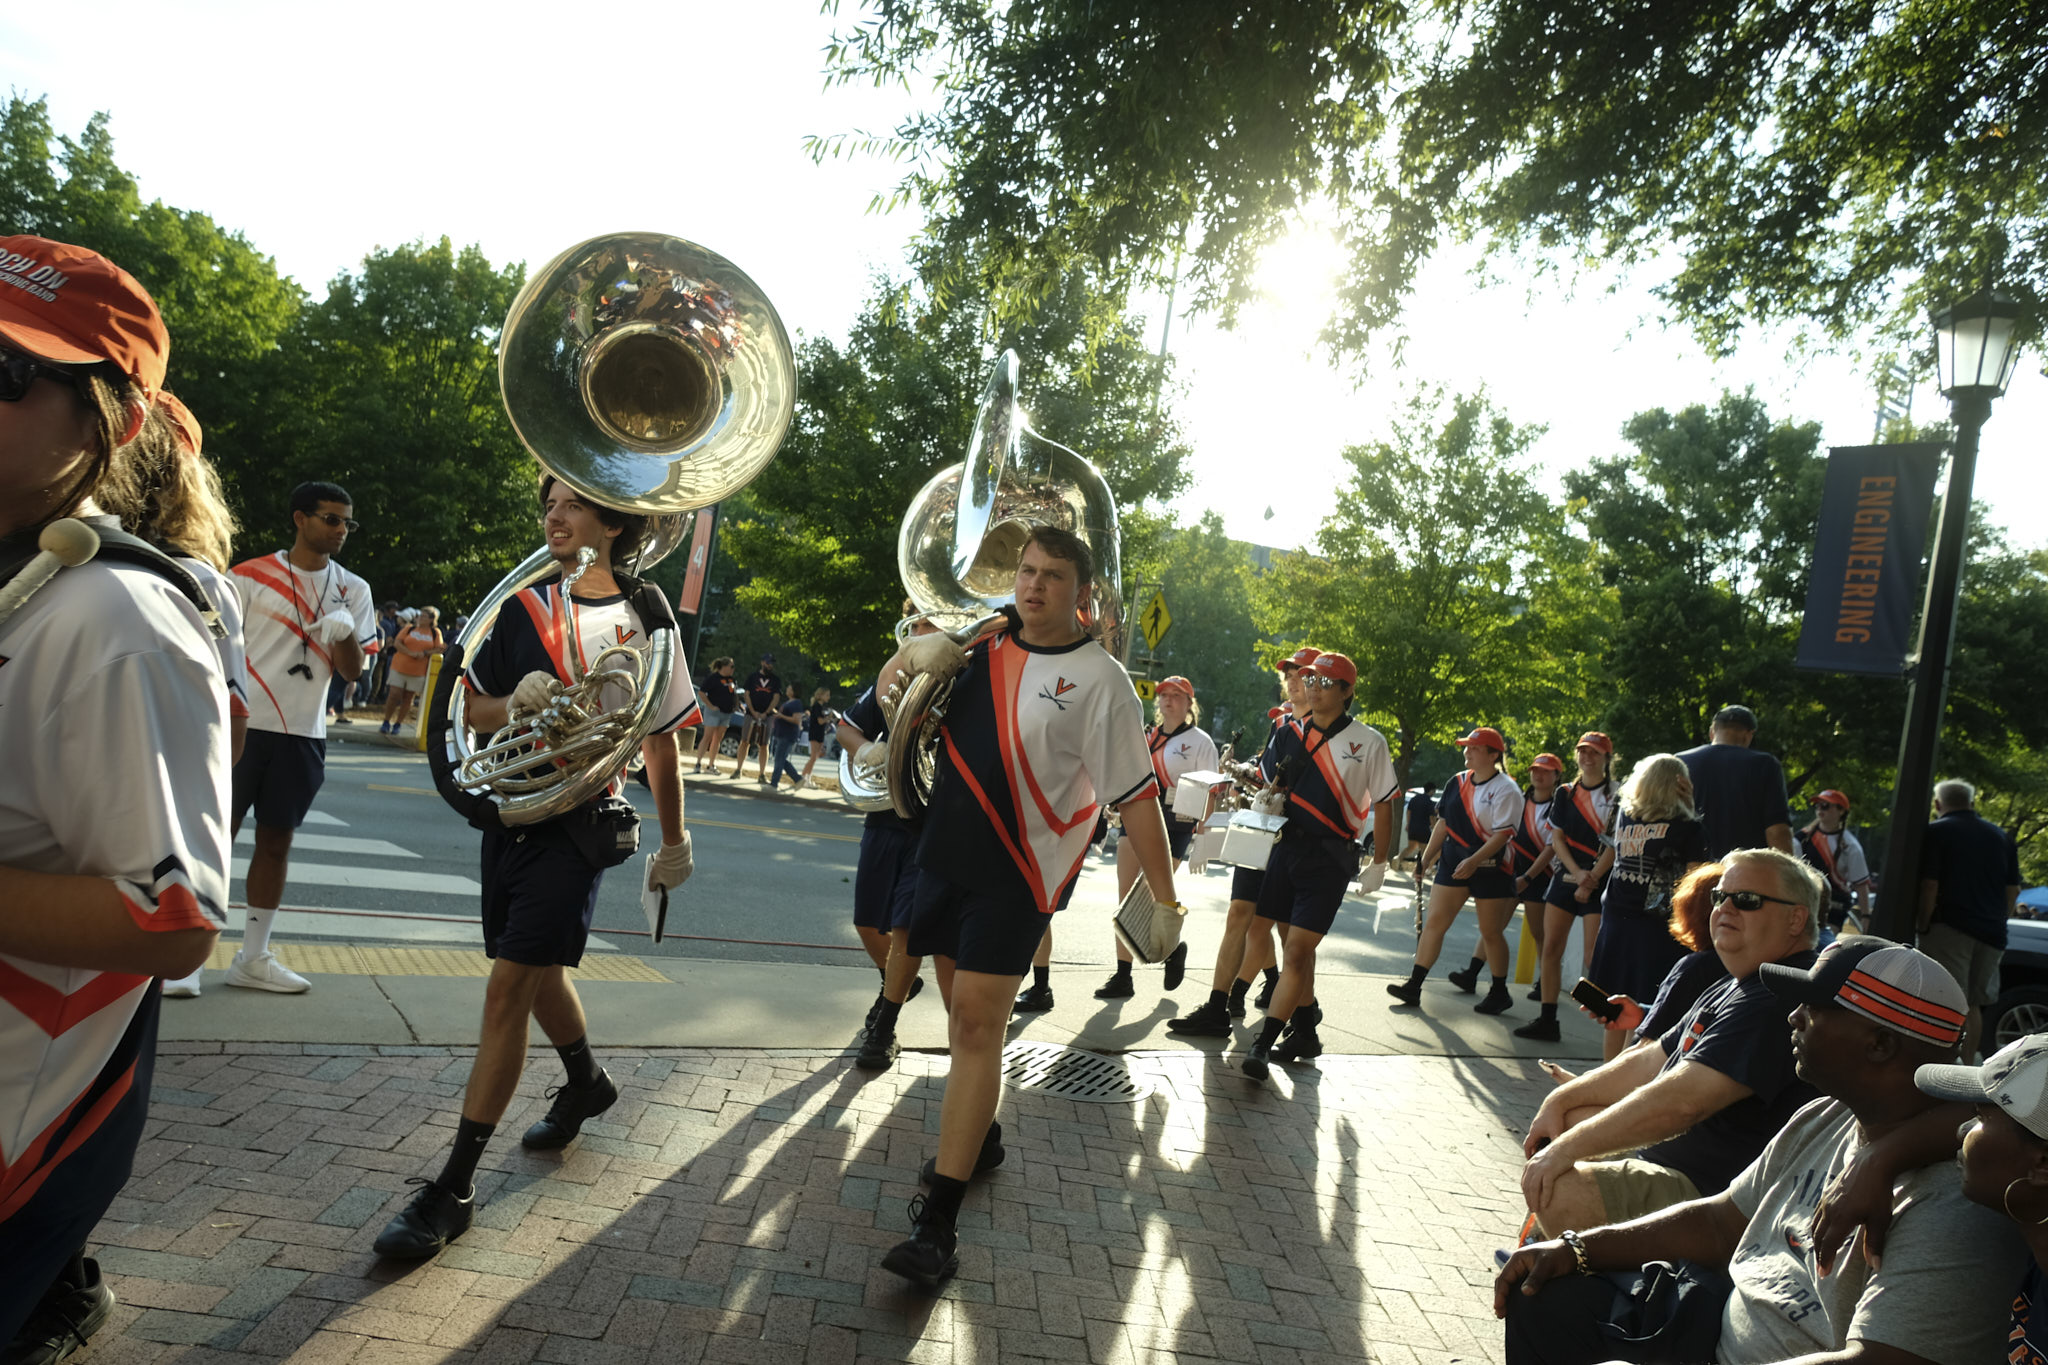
[382,859]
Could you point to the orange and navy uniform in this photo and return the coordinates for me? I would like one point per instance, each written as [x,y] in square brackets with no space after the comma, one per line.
[1336,778]
[1531,839]
[1474,812]
[1036,741]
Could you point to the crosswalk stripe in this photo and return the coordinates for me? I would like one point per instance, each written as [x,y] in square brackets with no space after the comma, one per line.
[321,817]
[374,878]
[334,843]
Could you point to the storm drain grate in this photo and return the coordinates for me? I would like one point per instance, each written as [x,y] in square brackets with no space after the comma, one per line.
[1071,1073]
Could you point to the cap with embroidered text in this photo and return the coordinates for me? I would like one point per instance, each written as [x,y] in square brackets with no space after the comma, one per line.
[1593,739]
[2015,1078]
[1334,666]
[1176,684]
[73,306]
[1485,736]
[1301,658]
[1550,761]
[1901,988]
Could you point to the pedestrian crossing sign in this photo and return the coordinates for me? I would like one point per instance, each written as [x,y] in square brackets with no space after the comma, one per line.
[1154,621]
[1146,688]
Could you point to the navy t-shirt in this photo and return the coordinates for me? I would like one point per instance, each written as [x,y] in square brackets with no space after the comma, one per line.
[1421,815]
[1740,793]
[865,715]
[1680,990]
[718,690]
[1649,858]
[1742,1030]
[763,687]
[787,726]
[2027,1342]
[1974,861]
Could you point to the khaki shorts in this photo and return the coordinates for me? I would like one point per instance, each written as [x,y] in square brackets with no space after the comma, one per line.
[1631,1187]
[1971,961]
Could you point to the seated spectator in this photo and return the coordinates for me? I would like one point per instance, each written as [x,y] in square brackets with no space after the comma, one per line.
[1733,1277]
[1676,1117]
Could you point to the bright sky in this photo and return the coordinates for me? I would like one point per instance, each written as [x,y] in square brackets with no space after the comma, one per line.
[323,131]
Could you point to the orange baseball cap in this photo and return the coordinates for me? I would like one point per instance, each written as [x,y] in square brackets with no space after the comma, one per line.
[1176,684]
[1301,658]
[182,420]
[1550,761]
[1593,739]
[1832,795]
[1487,737]
[73,306]
[1334,666]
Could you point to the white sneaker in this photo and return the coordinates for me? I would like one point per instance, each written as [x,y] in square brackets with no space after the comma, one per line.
[184,988]
[265,973]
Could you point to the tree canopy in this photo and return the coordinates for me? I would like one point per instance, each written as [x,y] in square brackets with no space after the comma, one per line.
[1835,165]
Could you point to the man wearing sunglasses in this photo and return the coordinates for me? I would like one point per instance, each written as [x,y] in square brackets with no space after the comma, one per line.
[1678,1116]
[307,620]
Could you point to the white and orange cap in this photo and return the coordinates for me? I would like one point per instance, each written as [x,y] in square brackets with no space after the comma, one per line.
[66,304]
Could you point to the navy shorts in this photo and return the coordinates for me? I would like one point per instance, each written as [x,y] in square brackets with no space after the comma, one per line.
[1306,880]
[1487,884]
[1245,883]
[992,930]
[539,895]
[1565,896]
[885,880]
[279,776]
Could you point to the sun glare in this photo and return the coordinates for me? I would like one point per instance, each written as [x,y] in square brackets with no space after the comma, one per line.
[1297,278]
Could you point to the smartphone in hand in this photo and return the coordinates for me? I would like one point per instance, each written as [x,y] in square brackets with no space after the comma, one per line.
[1595,1001]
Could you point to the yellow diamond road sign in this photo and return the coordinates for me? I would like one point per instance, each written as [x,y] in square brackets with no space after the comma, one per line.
[1155,620]
[1145,686]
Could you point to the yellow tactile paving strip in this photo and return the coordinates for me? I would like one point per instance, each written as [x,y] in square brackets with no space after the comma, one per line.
[341,959]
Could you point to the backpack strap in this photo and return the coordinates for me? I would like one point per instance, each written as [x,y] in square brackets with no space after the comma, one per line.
[117,546]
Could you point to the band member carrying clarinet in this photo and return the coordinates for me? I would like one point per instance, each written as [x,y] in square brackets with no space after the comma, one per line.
[540,881]
[1042,730]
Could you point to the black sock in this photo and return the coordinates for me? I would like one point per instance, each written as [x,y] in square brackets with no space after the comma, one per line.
[1270,1034]
[1238,990]
[1272,973]
[885,1017]
[471,1138]
[1500,983]
[1123,968]
[942,1203]
[1550,1010]
[1222,999]
[1476,964]
[1415,976]
[1041,976]
[582,1066]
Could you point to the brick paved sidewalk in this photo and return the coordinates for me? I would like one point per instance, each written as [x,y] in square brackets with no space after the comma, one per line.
[734,1207]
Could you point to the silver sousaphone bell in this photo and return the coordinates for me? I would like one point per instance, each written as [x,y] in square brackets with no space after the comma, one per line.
[958,551]
[652,376]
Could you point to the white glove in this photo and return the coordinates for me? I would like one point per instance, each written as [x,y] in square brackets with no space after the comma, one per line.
[671,867]
[533,694]
[1371,877]
[1271,801]
[872,755]
[333,628]
[934,653]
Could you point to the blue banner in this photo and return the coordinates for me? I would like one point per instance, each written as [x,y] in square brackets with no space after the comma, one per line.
[1866,559]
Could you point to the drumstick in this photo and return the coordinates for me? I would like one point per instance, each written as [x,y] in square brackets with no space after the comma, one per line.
[64,544]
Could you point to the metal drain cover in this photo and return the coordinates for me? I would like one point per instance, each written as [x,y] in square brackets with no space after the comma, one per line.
[1071,1073]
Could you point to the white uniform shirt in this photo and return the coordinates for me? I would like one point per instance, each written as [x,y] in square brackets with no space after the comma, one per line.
[114,712]
[1190,751]
[280,603]
[234,659]
[526,639]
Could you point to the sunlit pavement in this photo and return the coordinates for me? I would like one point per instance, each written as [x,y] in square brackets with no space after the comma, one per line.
[734,1206]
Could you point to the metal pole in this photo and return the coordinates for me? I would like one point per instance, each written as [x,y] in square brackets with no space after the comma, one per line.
[1898,894]
[704,597]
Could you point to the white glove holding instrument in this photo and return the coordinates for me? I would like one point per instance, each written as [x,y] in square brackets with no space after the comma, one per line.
[333,628]
[1371,877]
[872,755]
[671,867]
[533,694]
[934,653]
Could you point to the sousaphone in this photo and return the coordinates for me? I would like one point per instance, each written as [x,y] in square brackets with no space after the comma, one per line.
[650,375]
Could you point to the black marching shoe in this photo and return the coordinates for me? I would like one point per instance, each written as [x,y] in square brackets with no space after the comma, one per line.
[61,1323]
[1210,1020]
[1265,995]
[1299,1045]
[565,1117]
[1034,1000]
[435,1217]
[1257,1062]
[868,1024]
[1466,981]
[931,1255]
[1176,966]
[987,1159]
[1499,1000]
[1118,987]
[1536,993]
[877,1050]
[1540,1031]
[1406,992]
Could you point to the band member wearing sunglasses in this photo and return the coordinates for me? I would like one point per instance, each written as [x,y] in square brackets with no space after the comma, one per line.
[113,843]
[305,620]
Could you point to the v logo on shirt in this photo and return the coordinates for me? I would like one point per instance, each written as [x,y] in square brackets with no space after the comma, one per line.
[1059,689]
[626,636]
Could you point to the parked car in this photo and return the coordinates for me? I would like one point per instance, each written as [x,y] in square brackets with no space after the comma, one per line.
[2022,1005]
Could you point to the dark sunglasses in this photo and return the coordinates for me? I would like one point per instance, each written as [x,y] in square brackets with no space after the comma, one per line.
[336,519]
[18,372]
[1320,682]
[1750,900]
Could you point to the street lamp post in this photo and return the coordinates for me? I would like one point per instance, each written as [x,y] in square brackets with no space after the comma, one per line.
[1976,350]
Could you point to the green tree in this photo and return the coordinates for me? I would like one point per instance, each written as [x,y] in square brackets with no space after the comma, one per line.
[878,415]
[1425,573]
[1838,164]
[1206,578]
